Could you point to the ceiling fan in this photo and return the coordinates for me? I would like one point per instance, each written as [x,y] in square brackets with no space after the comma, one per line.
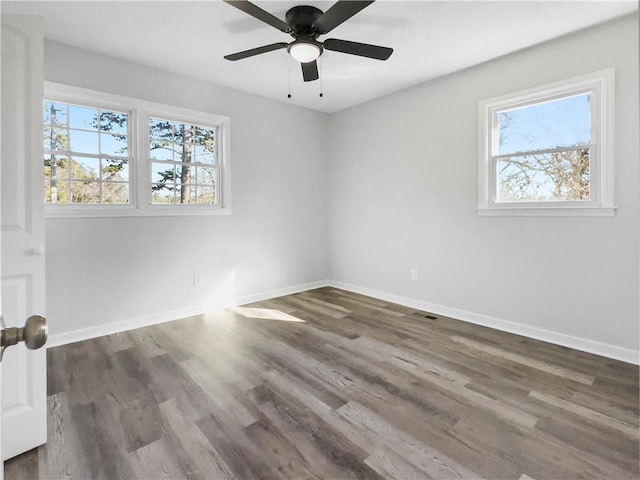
[305,24]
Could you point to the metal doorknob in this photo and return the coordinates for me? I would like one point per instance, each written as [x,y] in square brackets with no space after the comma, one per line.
[33,334]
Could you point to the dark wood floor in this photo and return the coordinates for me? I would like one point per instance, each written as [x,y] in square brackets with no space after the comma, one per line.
[330,384]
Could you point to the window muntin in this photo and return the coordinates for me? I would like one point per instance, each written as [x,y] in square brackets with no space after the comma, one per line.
[549,148]
[183,162]
[86,154]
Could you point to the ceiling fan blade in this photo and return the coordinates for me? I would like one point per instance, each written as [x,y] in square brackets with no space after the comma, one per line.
[257,12]
[356,48]
[339,12]
[310,71]
[256,51]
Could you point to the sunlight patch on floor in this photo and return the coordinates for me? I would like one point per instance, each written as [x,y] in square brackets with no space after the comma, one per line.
[266,314]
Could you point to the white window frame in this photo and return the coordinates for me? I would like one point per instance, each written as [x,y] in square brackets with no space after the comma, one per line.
[600,85]
[140,166]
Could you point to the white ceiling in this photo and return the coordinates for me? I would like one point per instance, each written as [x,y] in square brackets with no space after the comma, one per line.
[429,38]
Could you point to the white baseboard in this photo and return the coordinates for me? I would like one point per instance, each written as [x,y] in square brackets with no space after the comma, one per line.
[121,326]
[258,297]
[583,344]
[168,316]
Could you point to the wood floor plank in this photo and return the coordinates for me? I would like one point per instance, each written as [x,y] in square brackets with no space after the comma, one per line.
[236,449]
[429,460]
[63,455]
[119,341]
[330,436]
[478,400]
[140,422]
[58,373]
[605,447]
[521,359]
[532,452]
[289,388]
[331,384]
[184,435]
[100,440]
[218,392]
[145,339]
[415,364]
[630,430]
[156,461]
[392,466]
[23,468]
[279,450]
[308,443]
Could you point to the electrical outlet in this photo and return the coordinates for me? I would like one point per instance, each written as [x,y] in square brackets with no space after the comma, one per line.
[415,274]
[197,278]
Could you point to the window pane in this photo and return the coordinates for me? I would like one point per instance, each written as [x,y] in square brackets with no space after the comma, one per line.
[114,122]
[204,154]
[186,194]
[59,141]
[58,166]
[85,192]
[46,137]
[205,137]
[162,194]
[186,174]
[47,166]
[561,123]
[47,190]
[206,195]
[161,150]
[160,129]
[184,153]
[206,175]
[83,142]
[57,116]
[56,191]
[544,177]
[115,192]
[115,170]
[83,168]
[184,133]
[113,145]
[162,173]
[83,117]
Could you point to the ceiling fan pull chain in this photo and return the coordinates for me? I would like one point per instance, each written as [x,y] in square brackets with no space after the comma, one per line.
[321,94]
[289,94]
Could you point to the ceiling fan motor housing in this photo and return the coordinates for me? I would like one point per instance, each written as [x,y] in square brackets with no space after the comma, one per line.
[301,20]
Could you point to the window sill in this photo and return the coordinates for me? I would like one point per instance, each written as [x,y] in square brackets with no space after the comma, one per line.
[157,211]
[546,211]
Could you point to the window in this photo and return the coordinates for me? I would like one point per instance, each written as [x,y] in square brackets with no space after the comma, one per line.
[107,155]
[86,155]
[548,150]
[183,162]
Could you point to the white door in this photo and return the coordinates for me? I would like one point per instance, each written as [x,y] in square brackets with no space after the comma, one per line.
[24,407]
[1,464]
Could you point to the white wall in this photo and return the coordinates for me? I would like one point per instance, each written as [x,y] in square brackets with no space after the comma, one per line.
[106,270]
[362,196]
[403,187]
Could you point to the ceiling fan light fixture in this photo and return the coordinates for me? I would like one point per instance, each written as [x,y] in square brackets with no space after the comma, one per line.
[305,51]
